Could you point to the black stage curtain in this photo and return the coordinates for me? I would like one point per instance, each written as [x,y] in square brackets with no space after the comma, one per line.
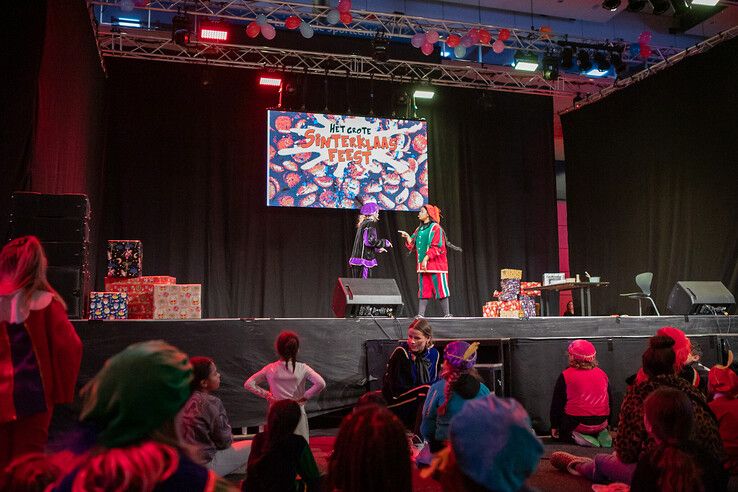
[651,181]
[185,172]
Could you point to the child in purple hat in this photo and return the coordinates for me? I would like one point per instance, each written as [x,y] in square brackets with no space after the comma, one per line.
[459,383]
[366,243]
[580,407]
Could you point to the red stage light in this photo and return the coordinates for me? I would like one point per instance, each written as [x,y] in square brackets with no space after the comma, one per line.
[212,34]
[270,81]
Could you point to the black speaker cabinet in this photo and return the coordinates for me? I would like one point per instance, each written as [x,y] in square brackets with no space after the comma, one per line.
[71,283]
[366,297]
[697,297]
[29,204]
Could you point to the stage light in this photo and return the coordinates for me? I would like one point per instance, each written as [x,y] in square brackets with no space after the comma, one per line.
[270,81]
[660,6]
[425,93]
[567,57]
[706,3]
[181,28]
[636,5]
[380,46]
[596,72]
[550,67]
[214,32]
[583,61]
[611,5]
[126,22]
[525,61]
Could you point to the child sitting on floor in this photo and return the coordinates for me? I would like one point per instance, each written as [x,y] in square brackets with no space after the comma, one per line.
[580,407]
[723,388]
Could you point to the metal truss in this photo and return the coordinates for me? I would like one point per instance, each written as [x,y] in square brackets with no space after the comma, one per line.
[157,45]
[367,23]
[705,45]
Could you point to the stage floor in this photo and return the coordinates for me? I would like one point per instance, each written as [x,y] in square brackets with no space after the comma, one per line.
[336,348]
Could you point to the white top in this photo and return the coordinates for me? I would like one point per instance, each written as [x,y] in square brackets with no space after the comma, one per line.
[285,384]
[15,309]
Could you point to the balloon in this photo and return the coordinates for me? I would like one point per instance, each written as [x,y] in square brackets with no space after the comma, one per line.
[292,22]
[484,36]
[261,19]
[418,40]
[498,46]
[346,17]
[545,31]
[504,35]
[253,29]
[344,6]
[466,42]
[459,52]
[474,35]
[268,31]
[333,16]
[645,51]
[126,5]
[645,37]
[431,37]
[427,49]
[306,30]
[453,40]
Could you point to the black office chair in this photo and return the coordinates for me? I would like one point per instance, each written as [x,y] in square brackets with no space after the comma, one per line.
[643,281]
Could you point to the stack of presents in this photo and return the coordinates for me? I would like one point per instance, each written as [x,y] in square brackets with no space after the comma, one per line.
[513,298]
[131,295]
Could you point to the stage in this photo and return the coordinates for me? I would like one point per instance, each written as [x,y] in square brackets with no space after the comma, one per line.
[532,350]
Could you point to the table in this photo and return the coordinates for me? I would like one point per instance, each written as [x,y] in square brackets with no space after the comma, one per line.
[585,287]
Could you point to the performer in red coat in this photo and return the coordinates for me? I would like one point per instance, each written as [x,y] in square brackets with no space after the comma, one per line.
[40,353]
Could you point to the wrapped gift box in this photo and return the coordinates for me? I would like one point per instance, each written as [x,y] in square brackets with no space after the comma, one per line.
[528,305]
[510,289]
[125,258]
[140,292]
[108,305]
[177,301]
[530,293]
[511,313]
[491,309]
[511,273]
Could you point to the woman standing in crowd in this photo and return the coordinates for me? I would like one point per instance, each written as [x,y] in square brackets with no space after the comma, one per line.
[286,379]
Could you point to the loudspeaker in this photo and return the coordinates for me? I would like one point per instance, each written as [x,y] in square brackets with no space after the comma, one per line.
[699,298]
[366,297]
[71,283]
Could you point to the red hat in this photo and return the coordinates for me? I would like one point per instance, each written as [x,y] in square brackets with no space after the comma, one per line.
[722,379]
[582,350]
[434,213]
[682,345]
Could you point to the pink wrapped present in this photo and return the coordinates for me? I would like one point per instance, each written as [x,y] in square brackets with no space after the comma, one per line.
[177,301]
[511,309]
[530,293]
[140,292]
[491,309]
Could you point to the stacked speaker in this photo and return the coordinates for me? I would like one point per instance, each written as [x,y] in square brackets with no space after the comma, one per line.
[62,224]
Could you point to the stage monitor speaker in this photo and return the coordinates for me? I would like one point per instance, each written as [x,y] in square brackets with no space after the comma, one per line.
[693,297]
[366,297]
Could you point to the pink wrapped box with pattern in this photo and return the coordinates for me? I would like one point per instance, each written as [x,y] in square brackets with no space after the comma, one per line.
[180,301]
[529,285]
[491,309]
[140,292]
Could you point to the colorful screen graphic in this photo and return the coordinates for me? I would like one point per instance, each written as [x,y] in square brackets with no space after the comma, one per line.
[338,161]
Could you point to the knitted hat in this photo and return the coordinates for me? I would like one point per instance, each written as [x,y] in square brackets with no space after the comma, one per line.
[434,213]
[582,350]
[722,379]
[461,355]
[369,208]
[136,392]
[494,443]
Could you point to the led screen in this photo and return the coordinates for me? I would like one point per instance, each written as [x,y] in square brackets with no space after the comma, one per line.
[339,161]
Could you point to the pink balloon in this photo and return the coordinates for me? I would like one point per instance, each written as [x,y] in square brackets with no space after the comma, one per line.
[268,31]
[453,40]
[418,40]
[344,6]
[498,46]
[645,37]
[474,35]
[431,37]
[427,49]
[466,42]
[253,29]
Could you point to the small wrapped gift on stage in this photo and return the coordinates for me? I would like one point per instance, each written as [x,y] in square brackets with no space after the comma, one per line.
[491,309]
[511,309]
[177,301]
[530,293]
[529,306]
[125,258]
[140,292]
[510,289]
[108,305]
[511,273]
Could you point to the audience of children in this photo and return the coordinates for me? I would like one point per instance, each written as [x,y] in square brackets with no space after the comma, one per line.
[205,424]
[130,408]
[682,357]
[675,462]
[412,368]
[492,448]
[286,379]
[723,388]
[371,453]
[580,406]
[279,454]
[459,383]
[40,352]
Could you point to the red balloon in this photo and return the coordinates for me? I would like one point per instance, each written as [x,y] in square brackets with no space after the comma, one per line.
[453,40]
[645,51]
[427,49]
[504,35]
[474,35]
[344,6]
[253,29]
[292,22]
[484,36]
[346,17]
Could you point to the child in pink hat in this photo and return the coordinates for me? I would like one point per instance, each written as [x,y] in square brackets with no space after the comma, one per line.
[580,407]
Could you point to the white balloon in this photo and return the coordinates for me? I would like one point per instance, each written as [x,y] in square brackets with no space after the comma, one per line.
[306,30]
[459,52]
[268,31]
[126,5]
[333,16]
